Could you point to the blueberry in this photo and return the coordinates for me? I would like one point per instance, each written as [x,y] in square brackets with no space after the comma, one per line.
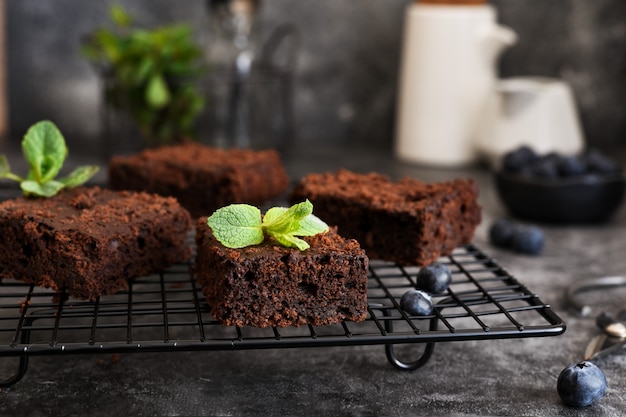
[545,168]
[571,165]
[551,156]
[528,240]
[508,234]
[598,163]
[527,172]
[434,278]
[581,384]
[519,158]
[501,233]
[416,303]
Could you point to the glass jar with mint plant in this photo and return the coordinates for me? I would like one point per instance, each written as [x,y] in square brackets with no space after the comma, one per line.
[150,82]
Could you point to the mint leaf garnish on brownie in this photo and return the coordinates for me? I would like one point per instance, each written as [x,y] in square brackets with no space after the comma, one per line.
[241,225]
[237,225]
[45,151]
[285,224]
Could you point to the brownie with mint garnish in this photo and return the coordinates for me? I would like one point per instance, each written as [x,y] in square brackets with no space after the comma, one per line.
[90,241]
[271,285]
[406,221]
[202,178]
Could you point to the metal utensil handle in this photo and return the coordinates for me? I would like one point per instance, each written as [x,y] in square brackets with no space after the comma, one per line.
[590,284]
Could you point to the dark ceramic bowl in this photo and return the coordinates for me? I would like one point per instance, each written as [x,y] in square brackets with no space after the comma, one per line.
[589,198]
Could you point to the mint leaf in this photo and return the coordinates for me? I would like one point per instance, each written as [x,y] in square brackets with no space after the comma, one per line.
[157,93]
[288,220]
[285,224]
[291,241]
[278,220]
[311,225]
[297,220]
[47,189]
[79,176]
[44,149]
[120,16]
[237,225]
[273,214]
[5,170]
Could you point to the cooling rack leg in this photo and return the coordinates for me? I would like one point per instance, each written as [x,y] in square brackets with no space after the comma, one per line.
[409,366]
[23,364]
[21,371]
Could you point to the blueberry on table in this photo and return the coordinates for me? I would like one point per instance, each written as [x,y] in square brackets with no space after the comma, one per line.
[434,278]
[416,303]
[528,240]
[581,384]
[508,234]
[501,233]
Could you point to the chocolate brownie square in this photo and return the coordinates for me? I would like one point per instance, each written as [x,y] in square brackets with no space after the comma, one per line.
[408,221]
[202,178]
[90,241]
[270,285]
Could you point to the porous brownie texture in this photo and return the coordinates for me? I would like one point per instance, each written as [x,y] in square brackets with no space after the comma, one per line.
[202,178]
[409,222]
[90,241]
[270,285]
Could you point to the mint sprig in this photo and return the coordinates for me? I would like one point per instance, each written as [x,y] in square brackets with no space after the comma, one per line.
[45,151]
[241,225]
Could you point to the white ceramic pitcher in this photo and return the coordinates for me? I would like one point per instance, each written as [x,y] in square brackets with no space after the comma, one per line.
[448,70]
[539,112]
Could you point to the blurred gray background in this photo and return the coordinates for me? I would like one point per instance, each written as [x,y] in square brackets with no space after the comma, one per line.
[348,61]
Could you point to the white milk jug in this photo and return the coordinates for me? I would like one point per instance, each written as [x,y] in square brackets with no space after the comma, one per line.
[534,111]
[448,70]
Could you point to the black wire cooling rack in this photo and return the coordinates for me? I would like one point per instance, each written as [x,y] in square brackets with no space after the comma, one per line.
[167,312]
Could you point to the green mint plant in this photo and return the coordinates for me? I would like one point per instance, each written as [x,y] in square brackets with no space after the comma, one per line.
[150,75]
[241,225]
[45,151]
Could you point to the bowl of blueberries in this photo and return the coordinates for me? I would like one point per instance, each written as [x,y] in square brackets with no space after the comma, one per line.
[558,188]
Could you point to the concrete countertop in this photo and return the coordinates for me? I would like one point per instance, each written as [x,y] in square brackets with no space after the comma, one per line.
[514,377]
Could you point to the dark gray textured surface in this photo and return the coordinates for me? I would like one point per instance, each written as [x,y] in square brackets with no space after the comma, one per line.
[476,378]
[346,82]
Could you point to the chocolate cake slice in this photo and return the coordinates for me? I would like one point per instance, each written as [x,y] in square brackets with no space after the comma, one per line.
[408,221]
[90,241]
[202,178]
[270,285]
